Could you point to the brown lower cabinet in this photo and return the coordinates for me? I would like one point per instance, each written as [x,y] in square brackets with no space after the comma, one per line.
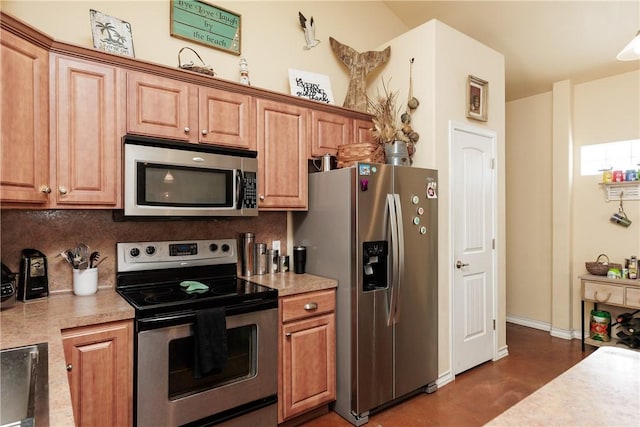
[99,366]
[307,360]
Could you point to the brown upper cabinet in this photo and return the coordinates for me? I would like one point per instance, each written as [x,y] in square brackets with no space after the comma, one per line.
[168,108]
[328,131]
[24,147]
[86,131]
[283,138]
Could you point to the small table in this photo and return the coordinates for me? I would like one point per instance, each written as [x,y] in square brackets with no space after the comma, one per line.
[602,290]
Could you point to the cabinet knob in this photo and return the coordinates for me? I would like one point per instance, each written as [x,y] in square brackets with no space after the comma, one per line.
[261,197]
[63,190]
[45,189]
[288,335]
[69,367]
[204,131]
[311,306]
[187,130]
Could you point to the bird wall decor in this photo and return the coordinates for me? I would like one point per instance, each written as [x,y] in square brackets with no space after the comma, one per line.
[309,31]
[359,65]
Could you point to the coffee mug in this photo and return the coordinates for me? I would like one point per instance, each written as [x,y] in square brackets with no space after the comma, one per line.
[620,218]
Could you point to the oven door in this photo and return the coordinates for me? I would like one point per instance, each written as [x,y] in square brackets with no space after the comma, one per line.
[169,395]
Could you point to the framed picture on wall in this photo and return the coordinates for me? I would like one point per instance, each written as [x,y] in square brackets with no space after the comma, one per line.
[111,34]
[477,93]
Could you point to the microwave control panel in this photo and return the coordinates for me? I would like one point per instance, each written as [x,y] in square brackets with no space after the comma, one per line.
[250,190]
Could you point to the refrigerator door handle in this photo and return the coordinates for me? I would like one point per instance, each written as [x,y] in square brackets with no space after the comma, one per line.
[393,225]
[399,242]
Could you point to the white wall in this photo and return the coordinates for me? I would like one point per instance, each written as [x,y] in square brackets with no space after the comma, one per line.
[444,58]
[271,39]
[529,189]
[598,111]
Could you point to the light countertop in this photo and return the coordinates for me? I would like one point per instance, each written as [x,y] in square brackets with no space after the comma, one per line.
[291,283]
[41,321]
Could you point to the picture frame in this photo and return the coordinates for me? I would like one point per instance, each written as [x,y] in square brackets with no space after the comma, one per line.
[111,34]
[477,94]
[313,86]
[203,23]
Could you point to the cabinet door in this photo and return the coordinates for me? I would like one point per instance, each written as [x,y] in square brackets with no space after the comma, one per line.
[327,132]
[362,131]
[99,365]
[24,98]
[225,118]
[86,134]
[308,363]
[282,135]
[162,107]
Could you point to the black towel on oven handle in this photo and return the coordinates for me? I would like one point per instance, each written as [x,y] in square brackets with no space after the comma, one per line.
[210,341]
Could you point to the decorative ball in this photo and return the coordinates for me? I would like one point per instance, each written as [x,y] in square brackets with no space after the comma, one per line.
[405,118]
[414,136]
[413,103]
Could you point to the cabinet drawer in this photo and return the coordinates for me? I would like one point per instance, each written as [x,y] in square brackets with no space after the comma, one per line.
[605,294]
[307,305]
[632,297]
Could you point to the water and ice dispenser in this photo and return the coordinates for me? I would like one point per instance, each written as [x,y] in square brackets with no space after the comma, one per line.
[374,264]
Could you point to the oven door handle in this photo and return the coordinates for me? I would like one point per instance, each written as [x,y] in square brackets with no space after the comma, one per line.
[166,320]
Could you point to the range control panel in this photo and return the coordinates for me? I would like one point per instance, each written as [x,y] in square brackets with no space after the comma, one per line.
[135,256]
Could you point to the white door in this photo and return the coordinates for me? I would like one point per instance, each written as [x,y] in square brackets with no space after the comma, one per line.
[473,187]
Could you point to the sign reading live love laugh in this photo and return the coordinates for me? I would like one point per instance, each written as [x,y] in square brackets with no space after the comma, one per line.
[206,24]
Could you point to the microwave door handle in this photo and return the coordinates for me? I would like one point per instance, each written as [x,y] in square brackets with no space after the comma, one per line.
[239,189]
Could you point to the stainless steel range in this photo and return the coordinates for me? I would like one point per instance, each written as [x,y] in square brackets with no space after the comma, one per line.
[206,340]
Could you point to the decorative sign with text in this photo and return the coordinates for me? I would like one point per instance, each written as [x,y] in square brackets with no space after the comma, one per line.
[205,24]
[316,87]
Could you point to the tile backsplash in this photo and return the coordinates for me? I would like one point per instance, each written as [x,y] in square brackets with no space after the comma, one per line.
[53,231]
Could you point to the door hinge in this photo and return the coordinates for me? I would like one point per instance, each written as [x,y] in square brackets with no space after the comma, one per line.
[494,324]
[493,244]
[493,163]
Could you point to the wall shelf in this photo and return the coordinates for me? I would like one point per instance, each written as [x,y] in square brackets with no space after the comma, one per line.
[630,190]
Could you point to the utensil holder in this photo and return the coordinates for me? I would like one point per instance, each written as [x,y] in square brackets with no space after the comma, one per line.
[85,282]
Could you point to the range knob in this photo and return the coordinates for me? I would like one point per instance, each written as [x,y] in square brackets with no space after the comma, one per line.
[134,252]
[150,250]
[213,247]
[225,248]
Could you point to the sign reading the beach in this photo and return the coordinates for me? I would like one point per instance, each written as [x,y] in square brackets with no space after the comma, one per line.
[205,24]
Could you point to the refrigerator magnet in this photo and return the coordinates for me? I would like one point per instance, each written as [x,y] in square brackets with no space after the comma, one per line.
[431,190]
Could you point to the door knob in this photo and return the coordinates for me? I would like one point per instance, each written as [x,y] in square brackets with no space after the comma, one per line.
[63,190]
[460,264]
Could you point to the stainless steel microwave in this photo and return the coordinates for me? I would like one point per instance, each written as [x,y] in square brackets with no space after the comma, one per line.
[165,178]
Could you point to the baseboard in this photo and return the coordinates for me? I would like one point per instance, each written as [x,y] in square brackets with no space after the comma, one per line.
[561,333]
[444,379]
[502,352]
[544,326]
[535,324]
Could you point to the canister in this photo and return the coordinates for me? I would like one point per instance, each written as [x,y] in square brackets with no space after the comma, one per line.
[283,263]
[272,260]
[260,258]
[248,254]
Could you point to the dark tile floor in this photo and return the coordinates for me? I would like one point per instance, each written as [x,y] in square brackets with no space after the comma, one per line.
[480,394]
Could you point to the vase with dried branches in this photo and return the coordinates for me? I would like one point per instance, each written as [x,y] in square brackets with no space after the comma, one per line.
[387,131]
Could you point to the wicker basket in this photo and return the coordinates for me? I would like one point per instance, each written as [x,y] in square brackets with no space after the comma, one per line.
[203,69]
[350,154]
[599,268]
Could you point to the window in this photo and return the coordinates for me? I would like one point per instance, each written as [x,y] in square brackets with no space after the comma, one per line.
[620,155]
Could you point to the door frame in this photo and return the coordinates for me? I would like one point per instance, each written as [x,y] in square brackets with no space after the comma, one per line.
[493,135]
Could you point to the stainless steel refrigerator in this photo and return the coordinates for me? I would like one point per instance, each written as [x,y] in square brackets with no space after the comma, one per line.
[373,228]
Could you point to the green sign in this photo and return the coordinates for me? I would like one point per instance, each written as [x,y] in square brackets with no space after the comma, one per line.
[206,24]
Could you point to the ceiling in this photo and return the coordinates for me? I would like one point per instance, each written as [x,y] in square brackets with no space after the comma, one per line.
[542,41]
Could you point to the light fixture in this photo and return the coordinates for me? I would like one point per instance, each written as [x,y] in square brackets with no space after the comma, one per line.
[168,178]
[632,51]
